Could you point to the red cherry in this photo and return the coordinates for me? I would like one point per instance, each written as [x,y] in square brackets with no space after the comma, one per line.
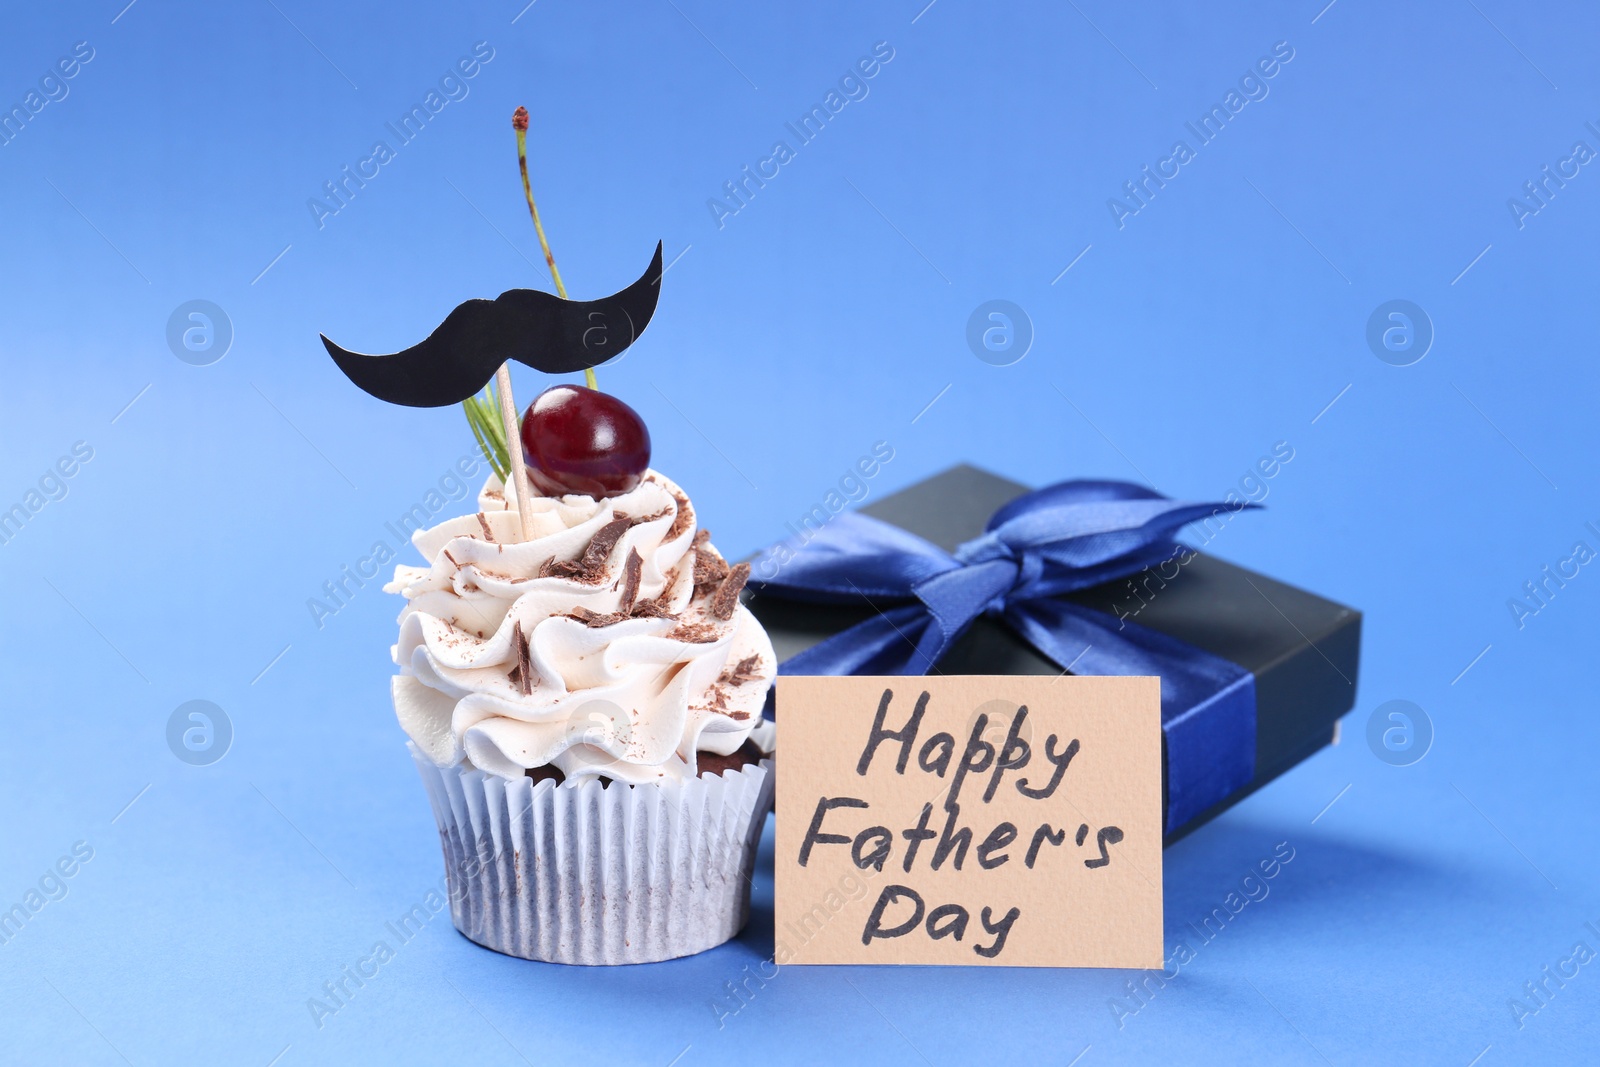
[578,440]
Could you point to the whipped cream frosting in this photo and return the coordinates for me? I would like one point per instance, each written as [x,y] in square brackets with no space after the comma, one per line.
[610,644]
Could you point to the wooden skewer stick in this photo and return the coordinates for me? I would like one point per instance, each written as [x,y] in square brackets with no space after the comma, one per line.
[519,469]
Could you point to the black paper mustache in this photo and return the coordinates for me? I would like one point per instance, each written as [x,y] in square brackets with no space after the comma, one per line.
[532,327]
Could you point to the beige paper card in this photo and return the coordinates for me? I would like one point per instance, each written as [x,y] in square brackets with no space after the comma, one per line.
[1001,820]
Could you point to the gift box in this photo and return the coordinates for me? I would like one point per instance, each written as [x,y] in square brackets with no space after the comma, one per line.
[1298,651]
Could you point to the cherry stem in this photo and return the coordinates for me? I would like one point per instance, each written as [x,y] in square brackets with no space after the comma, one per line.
[519,121]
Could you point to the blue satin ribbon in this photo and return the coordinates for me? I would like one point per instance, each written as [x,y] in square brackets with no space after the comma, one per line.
[1063,538]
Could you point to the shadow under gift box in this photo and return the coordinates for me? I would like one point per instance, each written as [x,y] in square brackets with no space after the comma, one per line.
[1302,649]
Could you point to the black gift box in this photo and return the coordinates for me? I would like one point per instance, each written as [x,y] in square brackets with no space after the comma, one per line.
[1302,649]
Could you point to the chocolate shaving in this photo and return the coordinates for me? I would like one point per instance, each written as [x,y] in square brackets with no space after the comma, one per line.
[593,619]
[743,671]
[726,598]
[631,570]
[488,535]
[657,607]
[600,546]
[522,675]
[629,606]
[709,566]
[451,558]
[591,568]
[694,633]
[680,521]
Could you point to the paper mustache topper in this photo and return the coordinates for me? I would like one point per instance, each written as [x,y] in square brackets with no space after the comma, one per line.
[532,327]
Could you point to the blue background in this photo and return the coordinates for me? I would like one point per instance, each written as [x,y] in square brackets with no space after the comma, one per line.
[1223,317]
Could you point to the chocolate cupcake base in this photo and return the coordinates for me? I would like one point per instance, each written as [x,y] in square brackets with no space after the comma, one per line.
[580,874]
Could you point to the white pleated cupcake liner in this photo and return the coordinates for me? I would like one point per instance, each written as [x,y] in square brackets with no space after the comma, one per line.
[585,874]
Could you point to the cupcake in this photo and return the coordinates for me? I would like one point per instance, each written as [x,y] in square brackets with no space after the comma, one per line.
[582,688]
[585,708]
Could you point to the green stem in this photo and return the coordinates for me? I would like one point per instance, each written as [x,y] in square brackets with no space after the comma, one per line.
[483,418]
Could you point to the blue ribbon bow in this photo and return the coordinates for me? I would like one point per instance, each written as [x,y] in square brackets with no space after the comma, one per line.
[1057,540]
